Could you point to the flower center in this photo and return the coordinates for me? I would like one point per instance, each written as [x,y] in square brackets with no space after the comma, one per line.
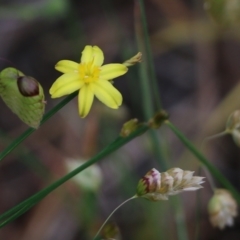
[88,72]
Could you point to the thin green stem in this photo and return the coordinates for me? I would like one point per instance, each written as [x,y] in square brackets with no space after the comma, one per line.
[207,173]
[211,168]
[149,56]
[27,157]
[143,68]
[179,218]
[29,131]
[198,211]
[100,229]
[119,142]
[215,136]
[158,150]
[148,82]
[16,215]
[146,90]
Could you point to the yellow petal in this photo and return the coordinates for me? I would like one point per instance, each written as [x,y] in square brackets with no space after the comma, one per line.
[66,66]
[112,70]
[107,94]
[98,56]
[66,84]
[85,100]
[64,80]
[87,54]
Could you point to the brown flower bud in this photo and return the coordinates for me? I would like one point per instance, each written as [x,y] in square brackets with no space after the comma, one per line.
[28,86]
[158,119]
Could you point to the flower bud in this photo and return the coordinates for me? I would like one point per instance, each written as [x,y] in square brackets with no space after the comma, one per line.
[156,186]
[158,119]
[150,183]
[129,127]
[222,209]
[135,59]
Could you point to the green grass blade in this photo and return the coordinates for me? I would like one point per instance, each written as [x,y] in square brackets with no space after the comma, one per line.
[18,210]
[149,56]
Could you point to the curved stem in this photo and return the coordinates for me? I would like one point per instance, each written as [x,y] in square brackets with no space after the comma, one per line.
[225,132]
[100,229]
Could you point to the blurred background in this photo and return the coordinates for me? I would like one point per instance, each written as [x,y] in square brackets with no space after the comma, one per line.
[196,53]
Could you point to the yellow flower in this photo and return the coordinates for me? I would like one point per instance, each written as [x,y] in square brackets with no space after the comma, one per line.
[91,78]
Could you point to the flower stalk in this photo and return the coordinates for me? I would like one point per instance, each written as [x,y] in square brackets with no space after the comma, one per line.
[100,229]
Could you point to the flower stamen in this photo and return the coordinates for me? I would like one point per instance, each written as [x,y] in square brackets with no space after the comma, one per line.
[88,72]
